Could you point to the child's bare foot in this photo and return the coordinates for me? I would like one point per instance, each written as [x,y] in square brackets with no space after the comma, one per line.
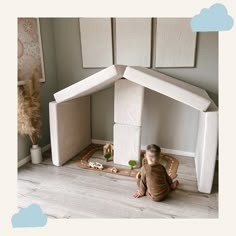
[174,185]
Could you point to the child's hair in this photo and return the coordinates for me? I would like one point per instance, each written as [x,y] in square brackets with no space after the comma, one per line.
[154,149]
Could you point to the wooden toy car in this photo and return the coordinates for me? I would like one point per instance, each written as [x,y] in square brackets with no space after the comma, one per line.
[114,169]
[95,165]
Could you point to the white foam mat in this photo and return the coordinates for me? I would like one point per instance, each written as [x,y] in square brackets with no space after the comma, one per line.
[69,128]
[128,102]
[169,86]
[126,140]
[91,84]
[206,148]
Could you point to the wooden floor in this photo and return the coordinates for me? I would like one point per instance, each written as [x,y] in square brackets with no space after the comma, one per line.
[71,192]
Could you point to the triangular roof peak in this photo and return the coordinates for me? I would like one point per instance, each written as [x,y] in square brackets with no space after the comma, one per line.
[154,80]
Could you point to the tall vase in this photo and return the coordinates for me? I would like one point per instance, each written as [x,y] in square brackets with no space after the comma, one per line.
[36,154]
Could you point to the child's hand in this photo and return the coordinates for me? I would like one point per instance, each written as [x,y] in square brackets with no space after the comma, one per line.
[138,175]
[137,194]
[174,185]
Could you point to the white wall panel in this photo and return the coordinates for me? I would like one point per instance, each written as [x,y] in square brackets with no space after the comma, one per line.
[175,43]
[133,41]
[96,42]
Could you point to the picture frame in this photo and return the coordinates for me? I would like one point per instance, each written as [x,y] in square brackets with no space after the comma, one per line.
[30,51]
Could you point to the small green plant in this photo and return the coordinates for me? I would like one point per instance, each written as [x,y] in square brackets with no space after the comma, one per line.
[107,156]
[132,164]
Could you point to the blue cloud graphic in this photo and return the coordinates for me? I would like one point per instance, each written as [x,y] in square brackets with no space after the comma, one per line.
[32,216]
[215,18]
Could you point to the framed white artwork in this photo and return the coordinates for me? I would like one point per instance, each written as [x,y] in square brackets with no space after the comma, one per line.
[175,43]
[133,41]
[96,42]
[30,53]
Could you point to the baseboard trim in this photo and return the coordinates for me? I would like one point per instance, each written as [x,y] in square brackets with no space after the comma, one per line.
[23,161]
[143,147]
[27,159]
[98,141]
[178,152]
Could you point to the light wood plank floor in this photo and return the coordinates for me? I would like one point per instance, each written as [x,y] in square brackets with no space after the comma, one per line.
[71,192]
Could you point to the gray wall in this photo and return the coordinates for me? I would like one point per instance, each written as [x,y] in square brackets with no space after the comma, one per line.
[47,88]
[166,122]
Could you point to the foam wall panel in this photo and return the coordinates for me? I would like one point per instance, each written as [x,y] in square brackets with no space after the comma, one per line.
[206,149]
[69,128]
[128,107]
[126,143]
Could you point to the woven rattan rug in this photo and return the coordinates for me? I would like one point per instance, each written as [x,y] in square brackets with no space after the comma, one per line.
[171,163]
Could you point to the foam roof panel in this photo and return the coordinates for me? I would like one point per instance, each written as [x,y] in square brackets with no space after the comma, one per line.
[169,86]
[91,84]
[154,80]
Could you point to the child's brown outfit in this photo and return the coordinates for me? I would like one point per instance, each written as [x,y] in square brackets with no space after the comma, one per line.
[154,181]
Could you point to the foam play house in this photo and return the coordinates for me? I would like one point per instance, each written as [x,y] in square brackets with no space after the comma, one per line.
[70,116]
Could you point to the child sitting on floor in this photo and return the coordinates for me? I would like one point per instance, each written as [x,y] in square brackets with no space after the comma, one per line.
[153,179]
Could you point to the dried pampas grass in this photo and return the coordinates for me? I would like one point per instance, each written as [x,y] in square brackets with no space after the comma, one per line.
[29,120]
